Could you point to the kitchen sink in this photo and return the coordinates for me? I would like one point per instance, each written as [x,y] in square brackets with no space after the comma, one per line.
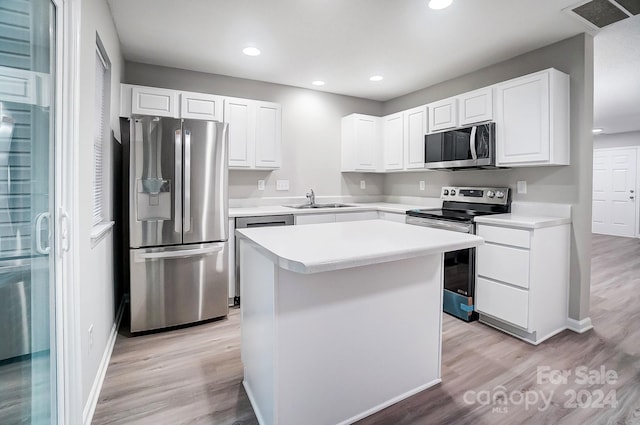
[308,206]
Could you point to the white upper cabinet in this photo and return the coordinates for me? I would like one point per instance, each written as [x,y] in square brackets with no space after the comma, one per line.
[255,133]
[393,129]
[361,143]
[268,134]
[154,101]
[443,114]
[532,120]
[200,106]
[476,106]
[415,128]
[240,115]
[403,136]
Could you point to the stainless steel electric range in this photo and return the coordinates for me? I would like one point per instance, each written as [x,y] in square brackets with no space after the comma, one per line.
[460,206]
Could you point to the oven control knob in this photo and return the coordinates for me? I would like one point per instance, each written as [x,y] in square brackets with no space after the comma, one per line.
[453,192]
[491,194]
[499,194]
[445,192]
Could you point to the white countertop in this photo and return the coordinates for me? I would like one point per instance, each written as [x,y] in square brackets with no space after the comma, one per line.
[278,209]
[522,221]
[324,247]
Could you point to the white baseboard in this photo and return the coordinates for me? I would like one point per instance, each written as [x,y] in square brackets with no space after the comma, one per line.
[92,401]
[579,326]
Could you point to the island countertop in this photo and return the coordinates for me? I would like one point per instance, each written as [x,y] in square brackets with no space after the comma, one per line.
[324,247]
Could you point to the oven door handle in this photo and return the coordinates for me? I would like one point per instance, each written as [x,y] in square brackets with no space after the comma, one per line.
[436,224]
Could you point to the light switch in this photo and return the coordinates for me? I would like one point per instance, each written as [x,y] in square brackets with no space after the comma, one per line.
[421,184]
[260,184]
[363,184]
[522,186]
[282,184]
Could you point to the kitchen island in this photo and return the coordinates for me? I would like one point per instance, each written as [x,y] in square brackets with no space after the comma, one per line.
[340,320]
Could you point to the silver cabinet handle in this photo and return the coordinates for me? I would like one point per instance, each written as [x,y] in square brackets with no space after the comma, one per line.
[187,180]
[177,254]
[472,142]
[178,179]
[39,220]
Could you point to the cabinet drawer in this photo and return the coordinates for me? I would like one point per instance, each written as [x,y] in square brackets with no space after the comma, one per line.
[315,218]
[504,263]
[503,302]
[399,218]
[505,236]
[357,216]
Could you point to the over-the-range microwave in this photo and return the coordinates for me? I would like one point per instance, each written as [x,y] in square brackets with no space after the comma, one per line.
[468,147]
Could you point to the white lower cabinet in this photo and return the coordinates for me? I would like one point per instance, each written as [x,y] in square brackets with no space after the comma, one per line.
[523,280]
[315,218]
[397,217]
[232,260]
[335,217]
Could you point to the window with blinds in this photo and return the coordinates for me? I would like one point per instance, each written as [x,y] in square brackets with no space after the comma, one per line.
[99,142]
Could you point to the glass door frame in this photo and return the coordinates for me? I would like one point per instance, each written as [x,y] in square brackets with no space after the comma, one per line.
[68,373]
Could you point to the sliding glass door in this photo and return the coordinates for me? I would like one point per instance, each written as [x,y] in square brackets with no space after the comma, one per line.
[27,177]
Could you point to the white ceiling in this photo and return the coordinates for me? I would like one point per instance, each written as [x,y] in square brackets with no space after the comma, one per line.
[617,77]
[342,42]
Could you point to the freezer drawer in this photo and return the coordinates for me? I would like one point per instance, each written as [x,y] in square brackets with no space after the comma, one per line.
[178,285]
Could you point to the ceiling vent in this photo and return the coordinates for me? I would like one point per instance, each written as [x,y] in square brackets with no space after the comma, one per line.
[597,14]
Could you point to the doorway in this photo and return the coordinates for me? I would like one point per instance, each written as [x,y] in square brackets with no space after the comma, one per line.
[615,209]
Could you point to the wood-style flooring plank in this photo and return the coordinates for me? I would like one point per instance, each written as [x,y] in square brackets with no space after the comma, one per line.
[193,375]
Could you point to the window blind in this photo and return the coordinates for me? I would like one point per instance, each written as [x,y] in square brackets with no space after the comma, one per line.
[98,140]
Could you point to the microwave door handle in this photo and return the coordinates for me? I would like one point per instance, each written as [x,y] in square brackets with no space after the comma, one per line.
[178,182]
[472,142]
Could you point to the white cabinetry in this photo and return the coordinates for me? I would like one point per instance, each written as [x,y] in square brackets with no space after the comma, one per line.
[443,114]
[476,106]
[393,136]
[389,216]
[532,120]
[154,101]
[200,106]
[361,143]
[403,135]
[232,260]
[333,217]
[255,133]
[523,280]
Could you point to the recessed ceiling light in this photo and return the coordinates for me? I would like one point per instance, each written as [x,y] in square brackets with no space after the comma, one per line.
[251,51]
[318,83]
[376,78]
[597,130]
[439,4]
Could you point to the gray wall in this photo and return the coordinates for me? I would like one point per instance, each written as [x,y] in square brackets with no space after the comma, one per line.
[310,131]
[617,140]
[564,184]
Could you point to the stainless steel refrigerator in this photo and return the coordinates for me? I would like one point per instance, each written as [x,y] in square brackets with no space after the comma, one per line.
[178,221]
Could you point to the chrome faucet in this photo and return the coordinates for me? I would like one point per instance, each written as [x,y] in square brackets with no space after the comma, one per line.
[311,196]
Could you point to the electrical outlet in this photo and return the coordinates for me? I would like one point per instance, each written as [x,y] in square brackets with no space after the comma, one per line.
[363,184]
[421,184]
[260,184]
[91,337]
[282,184]
[522,187]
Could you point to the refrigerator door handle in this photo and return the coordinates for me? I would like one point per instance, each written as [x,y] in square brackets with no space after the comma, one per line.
[187,181]
[177,254]
[178,185]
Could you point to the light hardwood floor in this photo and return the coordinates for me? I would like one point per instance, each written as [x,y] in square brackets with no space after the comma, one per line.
[193,375]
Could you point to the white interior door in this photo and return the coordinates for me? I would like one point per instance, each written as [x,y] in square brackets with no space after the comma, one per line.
[614,191]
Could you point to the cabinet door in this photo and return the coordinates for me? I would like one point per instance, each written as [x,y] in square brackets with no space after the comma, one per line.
[268,134]
[415,128]
[315,218]
[232,260]
[389,216]
[200,106]
[522,120]
[443,115]
[366,143]
[154,101]
[393,141]
[240,114]
[476,106]
[356,216]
